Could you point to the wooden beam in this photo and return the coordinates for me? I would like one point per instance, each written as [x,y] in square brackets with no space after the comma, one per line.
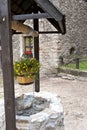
[48,32]
[7,64]
[20,27]
[48,7]
[60,26]
[31,16]
[36,52]
[55,24]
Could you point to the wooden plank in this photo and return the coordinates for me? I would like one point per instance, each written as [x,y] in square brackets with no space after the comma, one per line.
[7,64]
[48,32]
[60,26]
[20,27]
[50,9]
[31,16]
[36,52]
[55,24]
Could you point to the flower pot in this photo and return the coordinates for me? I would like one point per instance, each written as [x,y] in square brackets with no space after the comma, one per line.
[24,80]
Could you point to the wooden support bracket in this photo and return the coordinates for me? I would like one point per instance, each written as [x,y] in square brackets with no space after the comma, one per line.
[20,27]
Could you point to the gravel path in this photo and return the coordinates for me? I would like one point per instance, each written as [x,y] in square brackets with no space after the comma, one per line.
[73,94]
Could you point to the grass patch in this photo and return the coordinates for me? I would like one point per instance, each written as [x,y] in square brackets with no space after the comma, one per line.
[82,65]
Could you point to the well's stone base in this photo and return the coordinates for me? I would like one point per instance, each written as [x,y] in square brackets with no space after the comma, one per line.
[50,118]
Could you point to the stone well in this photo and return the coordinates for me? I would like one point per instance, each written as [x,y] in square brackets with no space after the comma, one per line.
[48,116]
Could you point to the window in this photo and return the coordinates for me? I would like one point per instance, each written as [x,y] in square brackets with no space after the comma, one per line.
[28,44]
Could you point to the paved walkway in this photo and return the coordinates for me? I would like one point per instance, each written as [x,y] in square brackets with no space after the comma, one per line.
[73,94]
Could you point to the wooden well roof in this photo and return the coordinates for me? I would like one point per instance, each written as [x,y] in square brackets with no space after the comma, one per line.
[44,8]
[21,10]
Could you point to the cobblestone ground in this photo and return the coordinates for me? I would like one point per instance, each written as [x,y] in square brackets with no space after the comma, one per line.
[73,94]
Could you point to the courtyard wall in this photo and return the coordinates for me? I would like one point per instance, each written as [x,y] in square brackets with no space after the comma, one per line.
[53,46]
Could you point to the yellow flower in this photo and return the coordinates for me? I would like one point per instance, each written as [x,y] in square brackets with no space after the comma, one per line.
[24,66]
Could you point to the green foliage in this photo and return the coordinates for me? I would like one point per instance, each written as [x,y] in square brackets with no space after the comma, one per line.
[82,65]
[27,67]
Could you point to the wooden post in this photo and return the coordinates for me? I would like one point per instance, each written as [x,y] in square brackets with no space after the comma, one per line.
[7,64]
[61,61]
[77,63]
[36,51]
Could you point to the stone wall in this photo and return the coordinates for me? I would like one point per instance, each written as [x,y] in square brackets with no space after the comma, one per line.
[16,47]
[76,26]
[48,48]
[52,46]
